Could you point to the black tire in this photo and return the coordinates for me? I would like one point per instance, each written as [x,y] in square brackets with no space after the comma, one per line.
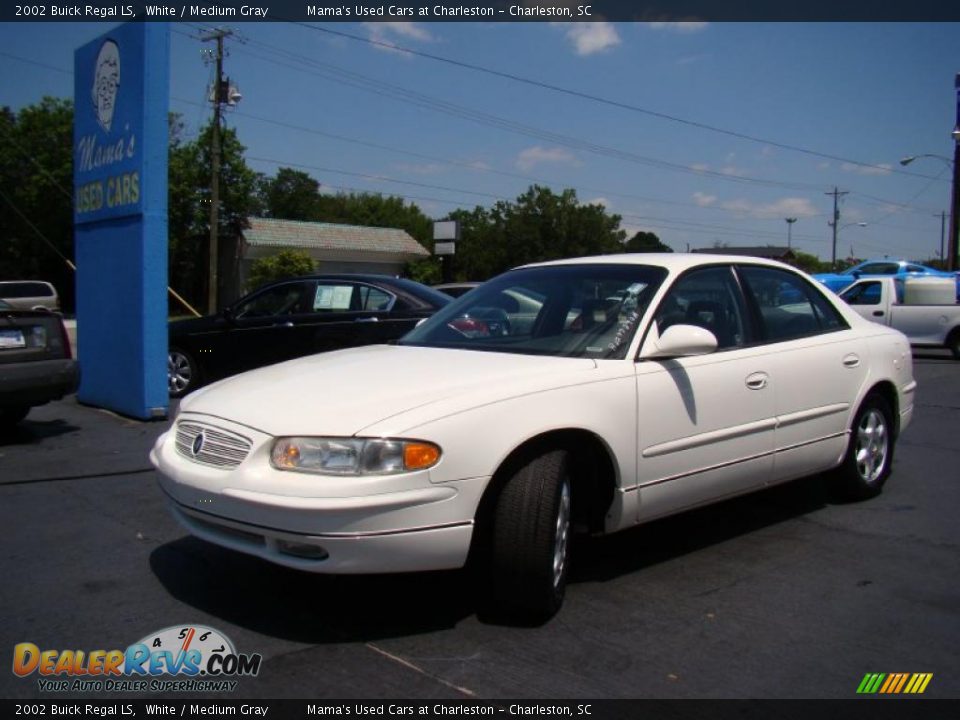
[10,416]
[953,344]
[529,541]
[869,457]
[183,373]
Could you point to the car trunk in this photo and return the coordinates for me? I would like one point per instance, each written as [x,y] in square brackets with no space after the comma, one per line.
[27,336]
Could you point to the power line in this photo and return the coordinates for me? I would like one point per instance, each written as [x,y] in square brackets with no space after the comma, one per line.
[367,84]
[601,100]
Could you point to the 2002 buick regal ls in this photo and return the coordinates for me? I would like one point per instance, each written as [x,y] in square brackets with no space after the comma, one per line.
[589,394]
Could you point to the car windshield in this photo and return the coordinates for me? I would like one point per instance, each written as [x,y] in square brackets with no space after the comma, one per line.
[589,311]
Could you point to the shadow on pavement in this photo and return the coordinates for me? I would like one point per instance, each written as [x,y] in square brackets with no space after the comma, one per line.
[317,609]
[306,607]
[606,558]
[29,432]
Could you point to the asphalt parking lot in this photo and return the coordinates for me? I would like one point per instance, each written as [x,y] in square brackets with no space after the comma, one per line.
[782,594]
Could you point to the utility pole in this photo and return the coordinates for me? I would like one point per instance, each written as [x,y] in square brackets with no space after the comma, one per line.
[943,233]
[218,100]
[952,260]
[837,194]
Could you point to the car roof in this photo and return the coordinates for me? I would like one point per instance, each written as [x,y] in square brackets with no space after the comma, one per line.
[674,262]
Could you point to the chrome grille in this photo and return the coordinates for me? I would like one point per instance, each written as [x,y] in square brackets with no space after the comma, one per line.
[220,448]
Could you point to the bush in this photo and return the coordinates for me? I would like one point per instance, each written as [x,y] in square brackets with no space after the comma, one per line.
[285,264]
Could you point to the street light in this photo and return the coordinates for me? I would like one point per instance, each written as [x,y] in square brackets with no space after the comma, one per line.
[910,158]
[837,233]
[790,222]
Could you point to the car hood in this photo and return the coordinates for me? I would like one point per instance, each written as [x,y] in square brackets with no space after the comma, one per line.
[340,393]
[834,278]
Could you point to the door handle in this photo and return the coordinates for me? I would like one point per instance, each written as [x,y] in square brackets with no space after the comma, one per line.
[369,319]
[284,324]
[878,313]
[851,361]
[757,381]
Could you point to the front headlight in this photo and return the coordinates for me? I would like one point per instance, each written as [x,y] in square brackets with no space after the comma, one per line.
[352,456]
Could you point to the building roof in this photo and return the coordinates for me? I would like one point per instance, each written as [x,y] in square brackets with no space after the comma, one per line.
[270,232]
[769,252]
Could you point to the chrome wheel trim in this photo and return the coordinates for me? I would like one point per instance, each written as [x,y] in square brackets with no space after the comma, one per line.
[561,534]
[179,373]
[873,446]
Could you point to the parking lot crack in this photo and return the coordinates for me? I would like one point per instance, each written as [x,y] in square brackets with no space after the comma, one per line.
[407,664]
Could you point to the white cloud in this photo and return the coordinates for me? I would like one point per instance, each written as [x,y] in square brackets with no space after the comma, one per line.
[421,169]
[882,169]
[386,33]
[731,170]
[533,156]
[704,200]
[600,201]
[594,37]
[785,207]
[678,27]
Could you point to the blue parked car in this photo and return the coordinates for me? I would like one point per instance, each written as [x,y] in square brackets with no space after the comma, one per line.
[886,267]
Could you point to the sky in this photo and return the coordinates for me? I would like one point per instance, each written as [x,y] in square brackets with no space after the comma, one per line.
[703,133]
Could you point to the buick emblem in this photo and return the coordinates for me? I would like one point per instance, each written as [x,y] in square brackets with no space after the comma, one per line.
[197,444]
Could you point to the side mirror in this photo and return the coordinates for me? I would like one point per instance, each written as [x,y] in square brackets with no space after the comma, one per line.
[678,341]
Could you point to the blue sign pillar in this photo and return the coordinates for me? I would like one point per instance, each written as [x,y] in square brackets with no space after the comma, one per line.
[120,218]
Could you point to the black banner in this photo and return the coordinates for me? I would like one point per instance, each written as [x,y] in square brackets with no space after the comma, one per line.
[237,11]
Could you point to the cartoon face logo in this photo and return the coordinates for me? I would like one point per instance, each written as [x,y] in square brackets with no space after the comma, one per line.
[106,81]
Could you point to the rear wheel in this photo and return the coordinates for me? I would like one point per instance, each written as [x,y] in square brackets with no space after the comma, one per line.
[953,344]
[869,455]
[530,542]
[183,375]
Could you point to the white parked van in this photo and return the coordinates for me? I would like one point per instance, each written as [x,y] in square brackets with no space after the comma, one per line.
[30,295]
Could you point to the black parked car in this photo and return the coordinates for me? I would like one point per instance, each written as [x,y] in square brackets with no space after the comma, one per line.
[36,365]
[294,317]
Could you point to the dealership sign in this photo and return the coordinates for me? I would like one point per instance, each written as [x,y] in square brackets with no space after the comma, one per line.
[120,217]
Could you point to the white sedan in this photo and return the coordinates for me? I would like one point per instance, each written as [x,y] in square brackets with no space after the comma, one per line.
[591,394]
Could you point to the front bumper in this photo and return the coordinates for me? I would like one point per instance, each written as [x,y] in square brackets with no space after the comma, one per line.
[394,523]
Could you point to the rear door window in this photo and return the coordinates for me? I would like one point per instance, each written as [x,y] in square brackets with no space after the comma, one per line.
[788,306]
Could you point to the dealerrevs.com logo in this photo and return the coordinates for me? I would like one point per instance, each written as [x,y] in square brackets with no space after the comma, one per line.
[199,658]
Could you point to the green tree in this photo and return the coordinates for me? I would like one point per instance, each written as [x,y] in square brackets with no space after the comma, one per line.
[645,242]
[540,225]
[284,264]
[809,263]
[292,195]
[190,171]
[36,178]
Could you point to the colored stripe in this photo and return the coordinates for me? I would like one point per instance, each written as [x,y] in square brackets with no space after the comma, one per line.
[903,679]
[876,683]
[864,683]
[890,685]
[918,683]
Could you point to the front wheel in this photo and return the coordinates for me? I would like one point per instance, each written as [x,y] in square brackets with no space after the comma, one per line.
[530,541]
[183,375]
[869,457]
